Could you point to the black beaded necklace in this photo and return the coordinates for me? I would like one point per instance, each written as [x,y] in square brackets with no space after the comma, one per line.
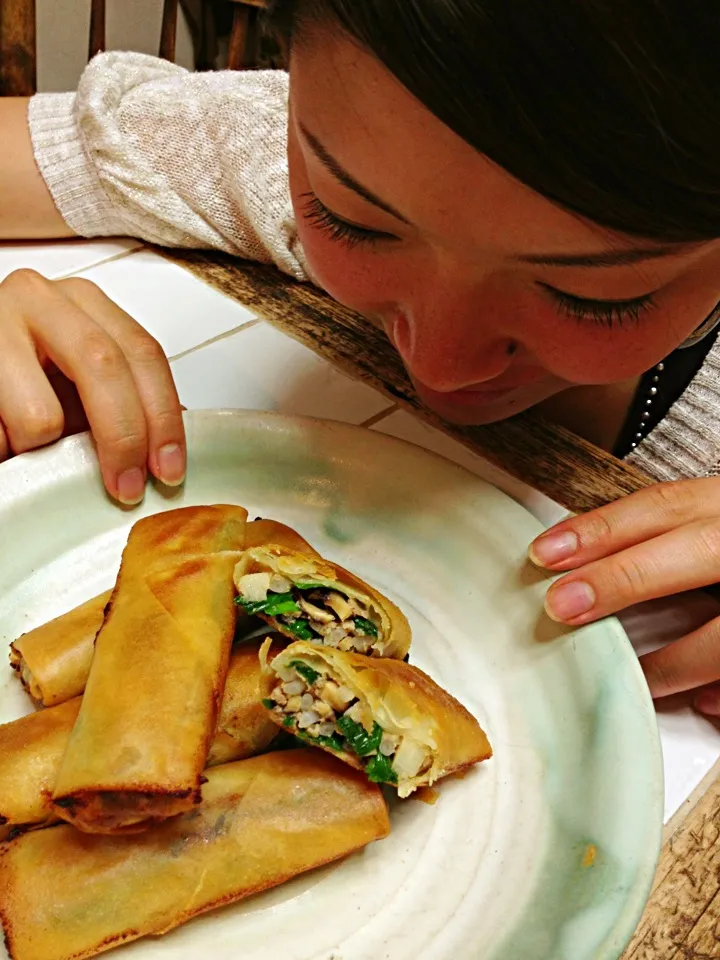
[658,390]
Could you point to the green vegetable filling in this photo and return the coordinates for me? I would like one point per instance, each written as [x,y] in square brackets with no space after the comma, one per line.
[301,628]
[357,736]
[334,742]
[367,627]
[284,604]
[273,605]
[352,735]
[270,704]
[306,672]
[379,770]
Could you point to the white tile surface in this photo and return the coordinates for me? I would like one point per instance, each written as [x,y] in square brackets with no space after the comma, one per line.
[691,744]
[406,427]
[178,309]
[262,369]
[61,258]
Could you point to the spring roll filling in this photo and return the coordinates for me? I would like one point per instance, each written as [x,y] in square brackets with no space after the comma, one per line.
[319,710]
[317,610]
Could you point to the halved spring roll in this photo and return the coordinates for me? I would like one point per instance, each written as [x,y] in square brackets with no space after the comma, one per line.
[385,717]
[307,598]
[53,660]
[141,739]
[32,748]
[261,822]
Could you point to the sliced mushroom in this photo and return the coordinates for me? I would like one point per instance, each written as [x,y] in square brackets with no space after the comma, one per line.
[316,613]
[341,605]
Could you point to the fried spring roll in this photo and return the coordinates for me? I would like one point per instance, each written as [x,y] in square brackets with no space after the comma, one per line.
[53,660]
[141,739]
[385,717]
[307,598]
[262,821]
[32,748]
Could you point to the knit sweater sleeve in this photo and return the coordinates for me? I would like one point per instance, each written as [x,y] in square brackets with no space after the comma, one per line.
[149,150]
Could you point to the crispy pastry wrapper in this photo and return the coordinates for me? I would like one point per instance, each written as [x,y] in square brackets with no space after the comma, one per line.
[53,660]
[402,699]
[394,634]
[32,748]
[67,895]
[141,739]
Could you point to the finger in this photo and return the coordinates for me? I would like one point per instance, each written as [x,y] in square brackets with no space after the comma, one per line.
[690,662]
[30,411]
[708,700]
[5,451]
[153,378]
[684,559]
[86,354]
[76,420]
[626,522]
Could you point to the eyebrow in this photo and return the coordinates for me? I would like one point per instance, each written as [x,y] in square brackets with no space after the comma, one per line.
[343,177]
[605,258]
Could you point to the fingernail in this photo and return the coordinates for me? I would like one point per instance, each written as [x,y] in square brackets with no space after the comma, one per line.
[551,548]
[565,601]
[707,702]
[131,486]
[171,464]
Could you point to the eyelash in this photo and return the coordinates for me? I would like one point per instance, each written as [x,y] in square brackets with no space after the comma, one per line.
[605,313]
[317,214]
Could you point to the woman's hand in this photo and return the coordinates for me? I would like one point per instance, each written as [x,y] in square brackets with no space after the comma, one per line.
[52,332]
[657,542]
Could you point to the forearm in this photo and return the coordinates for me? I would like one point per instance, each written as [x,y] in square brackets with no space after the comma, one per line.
[27,211]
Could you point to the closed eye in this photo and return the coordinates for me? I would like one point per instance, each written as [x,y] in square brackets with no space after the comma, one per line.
[607,313]
[316,213]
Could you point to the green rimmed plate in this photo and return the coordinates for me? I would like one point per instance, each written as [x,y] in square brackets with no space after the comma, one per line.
[547,851]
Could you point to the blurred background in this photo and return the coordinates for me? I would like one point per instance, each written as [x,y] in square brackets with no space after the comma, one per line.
[58,36]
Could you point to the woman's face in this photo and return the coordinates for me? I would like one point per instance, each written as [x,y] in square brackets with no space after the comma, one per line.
[495,298]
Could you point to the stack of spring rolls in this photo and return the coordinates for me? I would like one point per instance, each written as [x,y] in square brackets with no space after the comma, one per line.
[177,764]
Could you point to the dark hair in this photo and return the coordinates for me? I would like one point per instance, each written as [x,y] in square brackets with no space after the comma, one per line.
[609,108]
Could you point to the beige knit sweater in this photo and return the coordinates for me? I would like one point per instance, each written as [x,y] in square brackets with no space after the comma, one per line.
[148,150]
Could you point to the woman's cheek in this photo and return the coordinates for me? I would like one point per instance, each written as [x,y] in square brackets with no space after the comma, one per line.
[358,277]
[585,354]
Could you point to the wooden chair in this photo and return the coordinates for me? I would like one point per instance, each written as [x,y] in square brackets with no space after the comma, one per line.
[18,49]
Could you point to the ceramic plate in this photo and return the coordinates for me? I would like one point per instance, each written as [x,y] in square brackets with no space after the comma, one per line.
[547,851]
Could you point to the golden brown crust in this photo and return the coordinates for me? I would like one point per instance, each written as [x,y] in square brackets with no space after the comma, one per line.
[142,736]
[30,751]
[243,727]
[217,854]
[32,747]
[260,532]
[53,660]
[401,698]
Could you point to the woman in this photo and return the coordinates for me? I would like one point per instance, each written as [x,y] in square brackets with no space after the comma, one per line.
[525,196]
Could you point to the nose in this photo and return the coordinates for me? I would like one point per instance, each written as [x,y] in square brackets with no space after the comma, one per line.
[453,340]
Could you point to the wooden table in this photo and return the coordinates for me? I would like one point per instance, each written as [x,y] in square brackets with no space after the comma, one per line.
[682,917]
[224,352]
